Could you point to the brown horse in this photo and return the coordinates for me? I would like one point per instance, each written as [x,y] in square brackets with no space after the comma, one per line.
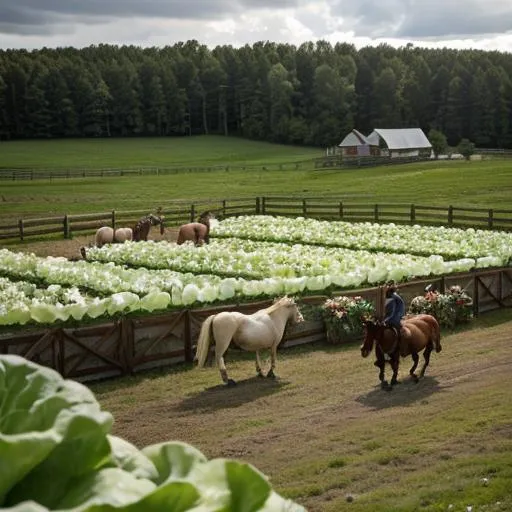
[197,232]
[418,332]
[143,226]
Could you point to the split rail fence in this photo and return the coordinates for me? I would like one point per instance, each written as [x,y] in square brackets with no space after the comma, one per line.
[132,344]
[327,208]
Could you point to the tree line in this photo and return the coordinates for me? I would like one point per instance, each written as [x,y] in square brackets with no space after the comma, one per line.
[311,94]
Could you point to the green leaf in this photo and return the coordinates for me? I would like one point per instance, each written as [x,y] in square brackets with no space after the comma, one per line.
[249,488]
[173,460]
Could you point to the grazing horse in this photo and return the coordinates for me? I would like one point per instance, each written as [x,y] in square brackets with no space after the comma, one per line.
[106,235]
[143,226]
[261,330]
[197,232]
[419,332]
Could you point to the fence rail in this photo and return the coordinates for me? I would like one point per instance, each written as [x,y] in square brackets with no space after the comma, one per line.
[45,174]
[327,208]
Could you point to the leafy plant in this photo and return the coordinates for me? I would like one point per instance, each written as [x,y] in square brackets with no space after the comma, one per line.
[450,309]
[57,453]
[344,316]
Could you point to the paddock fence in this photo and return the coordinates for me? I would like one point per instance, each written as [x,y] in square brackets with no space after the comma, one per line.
[132,344]
[326,208]
[58,174]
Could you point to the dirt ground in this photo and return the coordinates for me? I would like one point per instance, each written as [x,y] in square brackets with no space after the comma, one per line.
[326,410]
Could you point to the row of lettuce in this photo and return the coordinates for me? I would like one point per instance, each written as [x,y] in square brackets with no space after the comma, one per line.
[149,276]
[58,453]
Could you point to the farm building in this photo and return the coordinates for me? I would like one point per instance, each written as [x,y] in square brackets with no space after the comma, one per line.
[356,144]
[403,142]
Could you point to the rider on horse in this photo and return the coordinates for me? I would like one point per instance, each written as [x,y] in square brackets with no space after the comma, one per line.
[394,309]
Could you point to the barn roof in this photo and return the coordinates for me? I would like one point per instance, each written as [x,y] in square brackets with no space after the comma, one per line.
[354,138]
[402,138]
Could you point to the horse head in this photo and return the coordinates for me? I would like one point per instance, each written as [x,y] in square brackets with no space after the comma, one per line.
[205,217]
[294,314]
[372,332]
[156,220]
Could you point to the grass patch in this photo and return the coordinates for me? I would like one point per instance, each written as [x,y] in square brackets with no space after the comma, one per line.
[477,183]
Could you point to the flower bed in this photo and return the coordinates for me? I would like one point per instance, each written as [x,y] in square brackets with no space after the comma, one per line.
[344,316]
[450,309]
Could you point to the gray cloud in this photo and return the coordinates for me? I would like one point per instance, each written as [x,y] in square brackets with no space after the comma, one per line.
[425,19]
[37,13]
[146,22]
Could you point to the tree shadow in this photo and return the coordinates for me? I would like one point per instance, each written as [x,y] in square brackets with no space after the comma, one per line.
[226,397]
[406,393]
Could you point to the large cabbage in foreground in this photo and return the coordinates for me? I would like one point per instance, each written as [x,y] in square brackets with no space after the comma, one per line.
[56,453]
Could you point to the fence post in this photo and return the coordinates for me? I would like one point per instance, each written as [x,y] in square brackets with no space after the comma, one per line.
[113,220]
[376,212]
[450,215]
[476,296]
[257,206]
[192,213]
[304,208]
[67,228]
[491,218]
[341,209]
[21,228]
[187,337]
[413,213]
[263,206]
[223,208]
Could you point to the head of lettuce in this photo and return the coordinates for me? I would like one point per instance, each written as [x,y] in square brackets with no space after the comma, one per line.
[57,453]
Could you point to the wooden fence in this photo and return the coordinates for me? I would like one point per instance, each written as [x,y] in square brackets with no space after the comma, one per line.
[131,344]
[328,208]
[51,174]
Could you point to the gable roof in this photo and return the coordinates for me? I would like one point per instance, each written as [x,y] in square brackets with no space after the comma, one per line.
[402,138]
[354,138]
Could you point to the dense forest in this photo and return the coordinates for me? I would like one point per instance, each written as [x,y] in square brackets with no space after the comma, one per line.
[313,94]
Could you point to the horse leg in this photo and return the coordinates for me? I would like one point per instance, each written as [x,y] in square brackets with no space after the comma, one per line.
[381,364]
[415,359]
[219,359]
[426,356]
[258,365]
[273,358]
[395,363]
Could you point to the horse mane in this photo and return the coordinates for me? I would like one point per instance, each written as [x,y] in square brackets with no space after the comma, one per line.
[283,301]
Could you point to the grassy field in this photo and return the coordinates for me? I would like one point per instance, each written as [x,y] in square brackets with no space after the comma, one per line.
[146,152]
[478,183]
[325,431]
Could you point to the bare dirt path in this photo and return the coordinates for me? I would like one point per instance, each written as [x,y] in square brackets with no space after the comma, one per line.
[326,409]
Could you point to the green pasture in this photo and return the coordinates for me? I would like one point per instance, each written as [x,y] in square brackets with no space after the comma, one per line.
[486,183]
[130,153]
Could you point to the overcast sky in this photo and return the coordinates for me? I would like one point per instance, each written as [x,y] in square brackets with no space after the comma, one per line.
[32,24]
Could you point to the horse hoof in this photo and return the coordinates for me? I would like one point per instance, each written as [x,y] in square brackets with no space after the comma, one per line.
[414,378]
[384,384]
[271,375]
[260,375]
[230,383]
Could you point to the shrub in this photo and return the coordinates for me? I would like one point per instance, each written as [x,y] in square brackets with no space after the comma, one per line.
[450,309]
[344,317]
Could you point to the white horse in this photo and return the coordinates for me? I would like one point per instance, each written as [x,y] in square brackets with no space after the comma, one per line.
[106,235]
[261,330]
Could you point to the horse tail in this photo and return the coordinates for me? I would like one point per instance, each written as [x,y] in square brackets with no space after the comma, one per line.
[203,342]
